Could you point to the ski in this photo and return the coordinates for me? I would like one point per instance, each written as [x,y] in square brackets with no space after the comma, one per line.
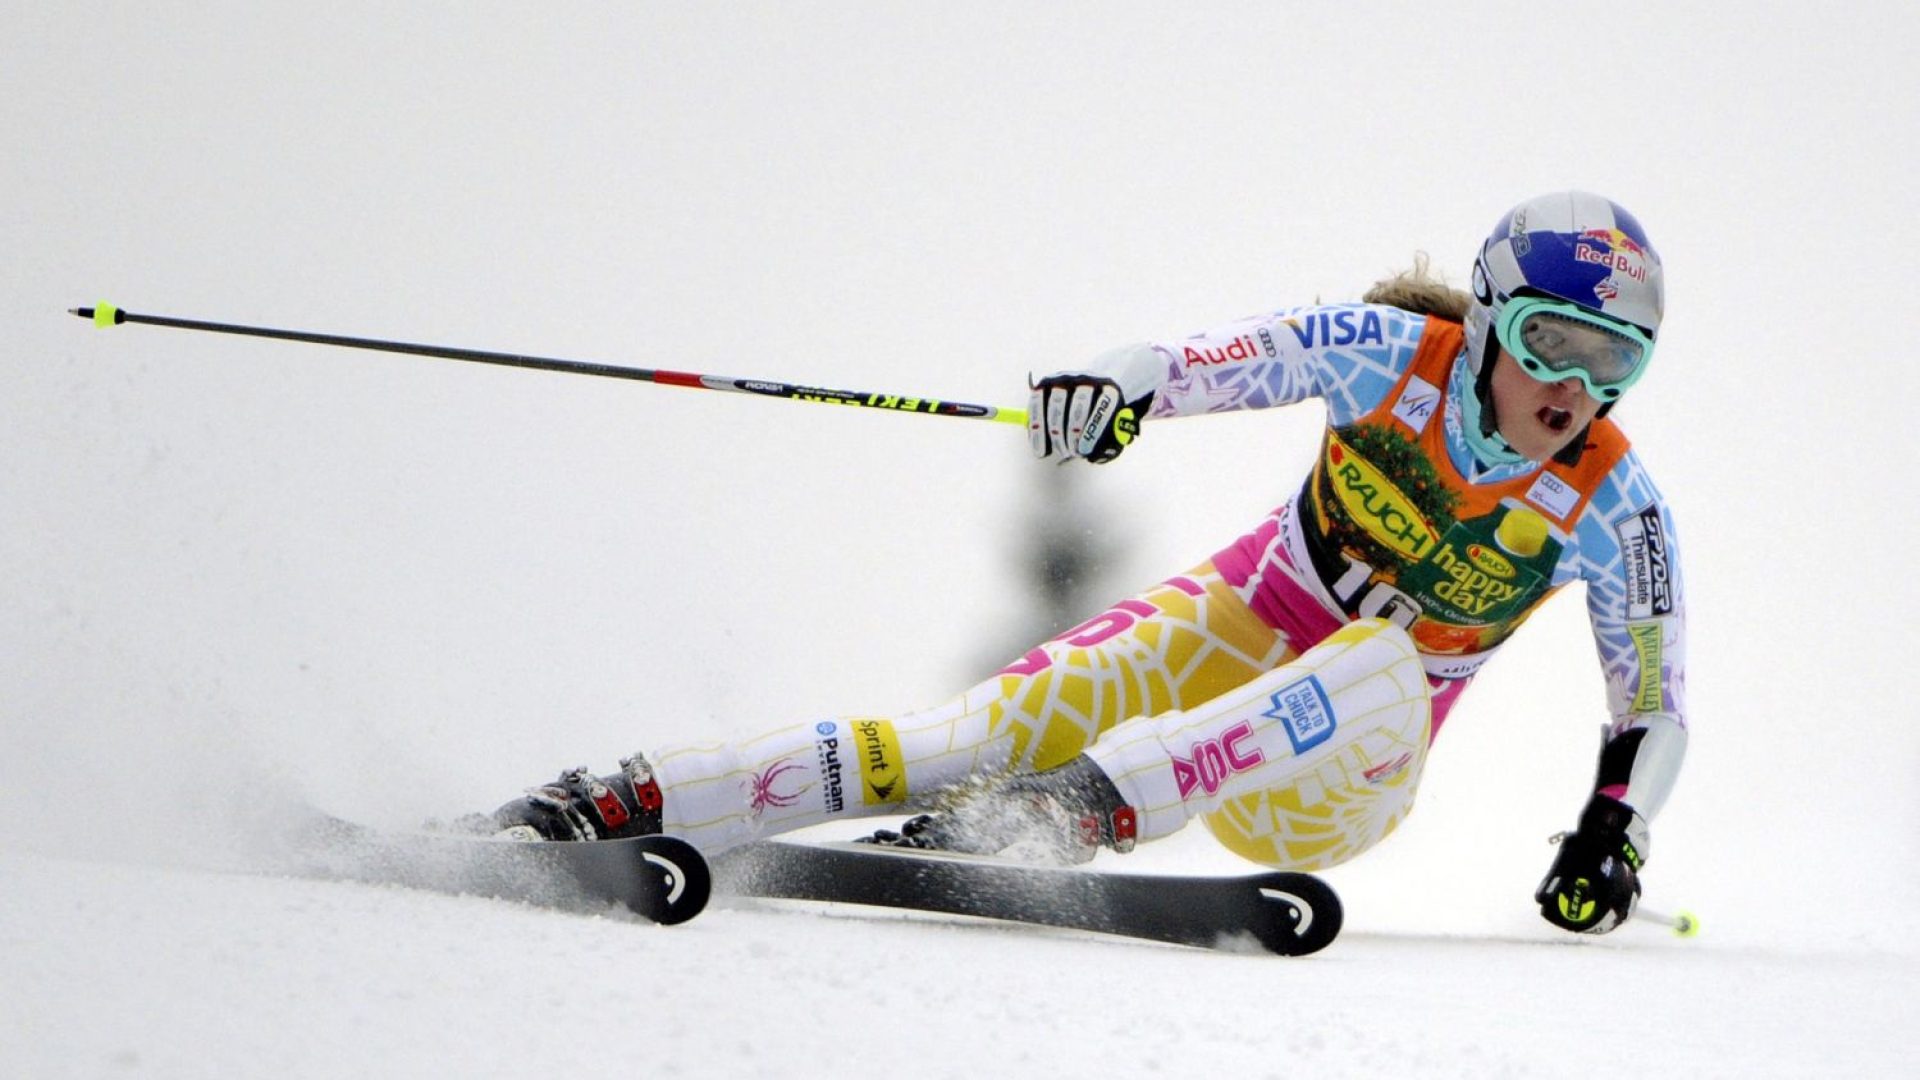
[1287,913]
[664,879]
[661,878]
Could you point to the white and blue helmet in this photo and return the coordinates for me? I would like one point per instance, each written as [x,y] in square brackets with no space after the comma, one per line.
[1569,246]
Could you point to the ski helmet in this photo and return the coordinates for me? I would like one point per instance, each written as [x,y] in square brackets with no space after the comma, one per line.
[1567,248]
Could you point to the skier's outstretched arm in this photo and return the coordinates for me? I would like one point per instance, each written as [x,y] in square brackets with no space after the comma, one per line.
[1350,354]
[1636,606]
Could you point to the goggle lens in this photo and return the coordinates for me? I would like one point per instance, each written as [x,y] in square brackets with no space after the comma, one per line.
[1552,342]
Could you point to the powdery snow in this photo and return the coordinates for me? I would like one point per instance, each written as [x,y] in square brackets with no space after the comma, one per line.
[122,969]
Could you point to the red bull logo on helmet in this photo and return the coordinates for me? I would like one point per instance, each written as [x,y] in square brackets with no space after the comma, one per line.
[1614,250]
[1616,240]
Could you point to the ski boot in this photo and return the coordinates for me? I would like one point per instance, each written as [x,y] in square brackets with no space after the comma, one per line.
[1062,816]
[581,806]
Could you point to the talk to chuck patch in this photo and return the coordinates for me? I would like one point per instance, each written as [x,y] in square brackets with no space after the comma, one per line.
[1649,570]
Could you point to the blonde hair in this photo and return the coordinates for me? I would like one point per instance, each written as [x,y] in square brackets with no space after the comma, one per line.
[1420,291]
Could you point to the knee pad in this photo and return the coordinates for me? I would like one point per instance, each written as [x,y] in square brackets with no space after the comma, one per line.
[1304,767]
[1354,785]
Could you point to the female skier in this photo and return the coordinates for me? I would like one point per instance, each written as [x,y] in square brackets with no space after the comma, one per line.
[1285,691]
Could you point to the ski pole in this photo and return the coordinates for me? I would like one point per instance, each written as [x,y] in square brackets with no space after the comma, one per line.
[1682,923]
[107,315]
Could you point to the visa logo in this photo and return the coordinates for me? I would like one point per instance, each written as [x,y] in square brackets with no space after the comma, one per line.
[1340,327]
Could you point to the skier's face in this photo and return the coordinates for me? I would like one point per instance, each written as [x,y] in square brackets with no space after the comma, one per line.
[1538,419]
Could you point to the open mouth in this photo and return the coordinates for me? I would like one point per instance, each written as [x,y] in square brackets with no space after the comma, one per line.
[1556,420]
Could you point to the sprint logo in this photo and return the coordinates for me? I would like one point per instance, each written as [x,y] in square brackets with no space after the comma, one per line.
[883,770]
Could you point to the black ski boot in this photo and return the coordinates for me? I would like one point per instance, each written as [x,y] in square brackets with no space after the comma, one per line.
[1061,816]
[581,806]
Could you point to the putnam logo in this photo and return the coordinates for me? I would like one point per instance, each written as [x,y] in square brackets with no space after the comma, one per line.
[833,797]
[1375,504]
[883,772]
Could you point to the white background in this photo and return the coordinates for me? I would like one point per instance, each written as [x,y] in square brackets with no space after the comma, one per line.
[399,588]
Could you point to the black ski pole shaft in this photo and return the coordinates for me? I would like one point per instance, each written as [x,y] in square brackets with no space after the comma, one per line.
[107,315]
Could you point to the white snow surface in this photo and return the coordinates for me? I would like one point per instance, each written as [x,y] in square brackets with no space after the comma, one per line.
[118,968]
[239,573]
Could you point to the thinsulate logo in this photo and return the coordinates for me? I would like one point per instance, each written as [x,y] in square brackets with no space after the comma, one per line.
[1374,503]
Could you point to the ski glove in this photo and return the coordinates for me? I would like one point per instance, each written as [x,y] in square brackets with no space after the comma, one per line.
[1093,414]
[1594,883]
[1062,816]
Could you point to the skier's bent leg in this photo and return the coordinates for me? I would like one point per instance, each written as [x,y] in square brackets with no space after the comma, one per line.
[1178,646]
[1302,768]
[1175,646]
[720,795]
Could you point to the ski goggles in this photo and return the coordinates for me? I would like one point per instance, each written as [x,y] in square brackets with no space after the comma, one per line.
[1554,340]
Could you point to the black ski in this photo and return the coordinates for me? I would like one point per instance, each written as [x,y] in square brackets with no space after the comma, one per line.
[1288,913]
[657,877]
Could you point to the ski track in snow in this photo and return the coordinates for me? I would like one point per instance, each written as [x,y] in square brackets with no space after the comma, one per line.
[137,970]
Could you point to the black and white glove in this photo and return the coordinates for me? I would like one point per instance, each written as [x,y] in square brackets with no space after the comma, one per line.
[1594,883]
[1062,816]
[1093,414]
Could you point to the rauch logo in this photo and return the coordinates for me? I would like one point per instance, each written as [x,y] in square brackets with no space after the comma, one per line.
[1373,502]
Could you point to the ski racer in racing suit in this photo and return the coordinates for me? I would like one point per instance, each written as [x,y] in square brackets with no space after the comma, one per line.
[1286,690]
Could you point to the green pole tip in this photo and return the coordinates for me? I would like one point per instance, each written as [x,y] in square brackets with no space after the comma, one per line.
[105,314]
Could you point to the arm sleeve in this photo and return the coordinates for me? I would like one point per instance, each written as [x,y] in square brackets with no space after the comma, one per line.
[1636,603]
[1349,354]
